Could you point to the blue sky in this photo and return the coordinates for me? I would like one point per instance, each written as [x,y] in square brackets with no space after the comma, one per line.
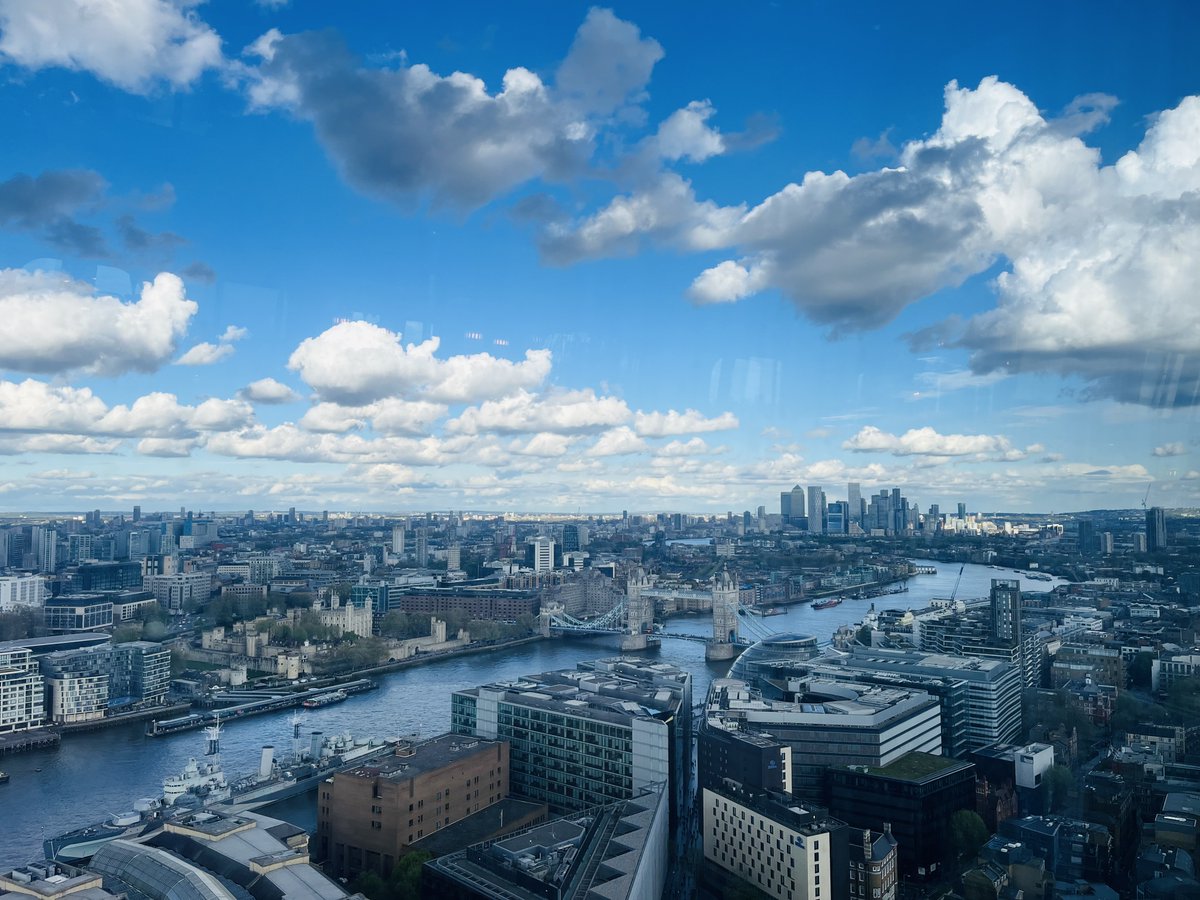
[556,257]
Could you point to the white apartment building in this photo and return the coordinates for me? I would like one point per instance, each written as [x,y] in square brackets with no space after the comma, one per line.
[21,590]
[176,591]
[22,690]
[783,851]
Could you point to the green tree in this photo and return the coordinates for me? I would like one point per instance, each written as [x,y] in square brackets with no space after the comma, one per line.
[371,886]
[1058,785]
[1140,670]
[405,880]
[17,624]
[967,833]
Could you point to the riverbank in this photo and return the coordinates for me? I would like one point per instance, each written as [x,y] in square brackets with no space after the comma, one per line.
[140,715]
[425,658]
[35,739]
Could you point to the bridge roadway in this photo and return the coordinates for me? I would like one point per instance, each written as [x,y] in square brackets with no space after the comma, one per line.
[697,638]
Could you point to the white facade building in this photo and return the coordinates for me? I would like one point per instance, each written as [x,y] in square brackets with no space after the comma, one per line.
[21,590]
[784,852]
[22,690]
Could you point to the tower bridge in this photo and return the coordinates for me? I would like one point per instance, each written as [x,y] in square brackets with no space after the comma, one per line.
[632,619]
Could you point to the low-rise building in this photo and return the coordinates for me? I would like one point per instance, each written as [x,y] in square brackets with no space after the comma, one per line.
[78,612]
[874,872]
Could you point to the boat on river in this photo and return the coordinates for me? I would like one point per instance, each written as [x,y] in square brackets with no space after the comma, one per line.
[828,604]
[325,699]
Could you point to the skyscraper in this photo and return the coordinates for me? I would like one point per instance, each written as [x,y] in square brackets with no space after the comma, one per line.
[816,509]
[1006,610]
[45,548]
[543,554]
[854,500]
[785,507]
[1156,529]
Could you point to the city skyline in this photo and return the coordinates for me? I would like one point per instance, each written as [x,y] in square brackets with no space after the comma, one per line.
[429,260]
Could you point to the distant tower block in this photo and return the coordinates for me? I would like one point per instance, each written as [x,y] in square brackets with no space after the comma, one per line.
[639,612]
[724,643]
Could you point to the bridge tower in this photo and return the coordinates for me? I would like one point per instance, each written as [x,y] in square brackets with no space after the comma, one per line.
[724,643]
[639,611]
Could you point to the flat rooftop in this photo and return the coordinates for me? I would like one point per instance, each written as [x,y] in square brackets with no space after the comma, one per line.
[412,760]
[917,766]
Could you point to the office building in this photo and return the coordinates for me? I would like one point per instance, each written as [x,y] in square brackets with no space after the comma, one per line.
[816,509]
[828,723]
[543,554]
[78,612]
[22,690]
[781,848]
[1078,662]
[586,737]
[21,591]
[855,504]
[617,852]
[915,794]
[180,590]
[758,762]
[107,576]
[370,816]
[399,539]
[570,539]
[986,711]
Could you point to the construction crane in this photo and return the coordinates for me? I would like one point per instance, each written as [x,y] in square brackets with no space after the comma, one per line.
[957,582]
[1147,497]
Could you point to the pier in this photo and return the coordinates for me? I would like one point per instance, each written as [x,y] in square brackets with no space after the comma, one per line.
[34,739]
[271,702]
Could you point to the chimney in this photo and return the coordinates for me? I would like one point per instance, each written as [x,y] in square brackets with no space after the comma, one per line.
[887,828]
[867,845]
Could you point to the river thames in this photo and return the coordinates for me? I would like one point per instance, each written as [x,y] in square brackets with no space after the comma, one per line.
[101,773]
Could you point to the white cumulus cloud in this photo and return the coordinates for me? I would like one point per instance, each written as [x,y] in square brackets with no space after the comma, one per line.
[205,354]
[268,390]
[560,412]
[355,363]
[1171,448]
[51,324]
[659,424]
[134,44]
[924,442]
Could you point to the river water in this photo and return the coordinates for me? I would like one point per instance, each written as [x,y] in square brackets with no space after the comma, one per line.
[97,774]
